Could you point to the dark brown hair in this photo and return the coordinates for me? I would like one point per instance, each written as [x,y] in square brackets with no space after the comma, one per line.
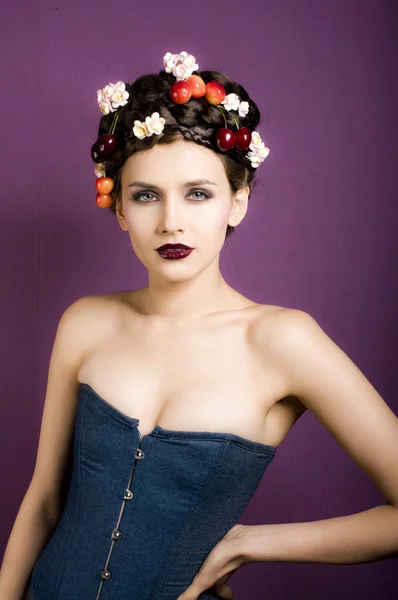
[195,121]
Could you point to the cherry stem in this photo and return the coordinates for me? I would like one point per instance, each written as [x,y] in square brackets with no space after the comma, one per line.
[225,120]
[236,122]
[222,110]
[113,126]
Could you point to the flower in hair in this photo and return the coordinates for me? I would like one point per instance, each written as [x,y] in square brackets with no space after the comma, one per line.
[153,124]
[232,102]
[111,97]
[181,65]
[140,129]
[99,169]
[243,108]
[258,152]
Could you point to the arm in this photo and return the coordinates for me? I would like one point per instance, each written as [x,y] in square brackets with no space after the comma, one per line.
[32,528]
[41,507]
[330,385]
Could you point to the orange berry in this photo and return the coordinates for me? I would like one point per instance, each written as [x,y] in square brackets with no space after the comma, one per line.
[104,185]
[103,200]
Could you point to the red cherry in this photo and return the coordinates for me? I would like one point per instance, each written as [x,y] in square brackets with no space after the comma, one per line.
[225,139]
[107,143]
[215,92]
[180,92]
[243,138]
[103,200]
[104,185]
[96,155]
[198,86]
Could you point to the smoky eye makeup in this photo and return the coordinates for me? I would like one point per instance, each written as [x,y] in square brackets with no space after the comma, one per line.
[137,197]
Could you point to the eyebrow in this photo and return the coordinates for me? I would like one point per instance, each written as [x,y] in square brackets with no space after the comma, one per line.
[186,184]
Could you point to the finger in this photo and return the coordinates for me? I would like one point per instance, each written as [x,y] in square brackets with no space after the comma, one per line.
[225,592]
[198,585]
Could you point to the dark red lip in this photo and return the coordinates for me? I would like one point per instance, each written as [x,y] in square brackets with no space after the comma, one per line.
[174,247]
[174,253]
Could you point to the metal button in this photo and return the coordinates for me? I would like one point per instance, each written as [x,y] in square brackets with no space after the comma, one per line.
[116,534]
[139,453]
[106,574]
[128,494]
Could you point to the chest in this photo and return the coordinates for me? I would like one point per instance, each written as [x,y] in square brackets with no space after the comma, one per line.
[186,379]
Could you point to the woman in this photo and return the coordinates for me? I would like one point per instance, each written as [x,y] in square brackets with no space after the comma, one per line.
[169,402]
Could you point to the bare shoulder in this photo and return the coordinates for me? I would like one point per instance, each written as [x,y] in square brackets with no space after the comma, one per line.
[284,333]
[277,334]
[88,319]
[275,325]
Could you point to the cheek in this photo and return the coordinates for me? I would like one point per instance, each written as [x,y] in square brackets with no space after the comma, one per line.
[218,218]
[139,223]
[214,215]
[140,231]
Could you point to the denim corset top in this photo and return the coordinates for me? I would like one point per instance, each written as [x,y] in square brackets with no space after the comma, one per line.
[142,512]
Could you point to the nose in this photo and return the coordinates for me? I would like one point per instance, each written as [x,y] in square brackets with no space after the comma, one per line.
[171,215]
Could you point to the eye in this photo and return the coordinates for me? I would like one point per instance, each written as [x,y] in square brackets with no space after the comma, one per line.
[138,196]
[205,194]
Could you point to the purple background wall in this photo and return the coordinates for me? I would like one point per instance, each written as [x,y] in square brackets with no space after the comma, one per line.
[320,234]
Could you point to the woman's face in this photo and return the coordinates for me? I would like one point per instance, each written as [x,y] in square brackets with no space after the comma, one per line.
[166,200]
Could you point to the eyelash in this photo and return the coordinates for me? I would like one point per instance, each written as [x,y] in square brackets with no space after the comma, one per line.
[137,196]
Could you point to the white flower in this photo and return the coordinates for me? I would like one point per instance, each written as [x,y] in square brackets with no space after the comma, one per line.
[181,65]
[99,169]
[155,123]
[140,129]
[243,108]
[107,91]
[103,102]
[105,107]
[231,102]
[263,152]
[256,140]
[181,71]
[120,95]
[254,159]
[151,125]
[189,61]
[111,97]
[257,150]
[169,60]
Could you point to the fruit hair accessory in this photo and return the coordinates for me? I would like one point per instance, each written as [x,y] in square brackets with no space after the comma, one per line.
[187,86]
[108,143]
[190,86]
[110,99]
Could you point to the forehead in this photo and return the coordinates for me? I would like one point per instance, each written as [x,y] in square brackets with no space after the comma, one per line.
[173,161]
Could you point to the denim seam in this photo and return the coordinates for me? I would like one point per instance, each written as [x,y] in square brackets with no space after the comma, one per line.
[214,439]
[169,557]
[109,410]
[47,550]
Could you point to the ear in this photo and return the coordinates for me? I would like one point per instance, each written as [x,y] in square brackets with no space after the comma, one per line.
[239,206]
[120,216]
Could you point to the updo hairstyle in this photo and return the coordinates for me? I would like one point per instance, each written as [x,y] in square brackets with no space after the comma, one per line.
[196,121]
